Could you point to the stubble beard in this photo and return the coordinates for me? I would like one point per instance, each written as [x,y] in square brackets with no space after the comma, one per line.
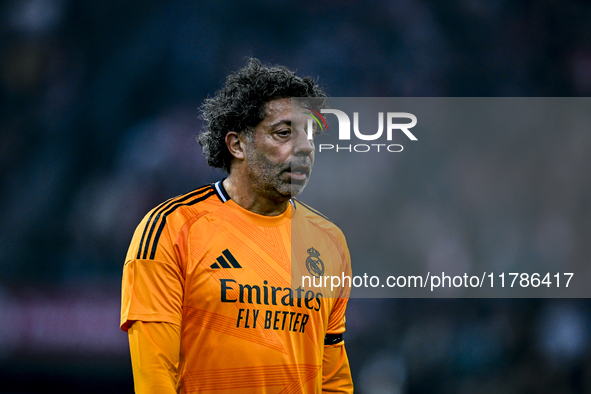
[272,178]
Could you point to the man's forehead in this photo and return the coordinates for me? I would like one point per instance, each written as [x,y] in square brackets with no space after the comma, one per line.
[277,105]
[282,108]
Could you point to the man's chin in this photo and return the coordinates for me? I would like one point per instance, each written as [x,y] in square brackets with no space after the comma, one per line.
[297,188]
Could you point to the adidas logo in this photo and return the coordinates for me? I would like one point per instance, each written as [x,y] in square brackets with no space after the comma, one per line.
[223,263]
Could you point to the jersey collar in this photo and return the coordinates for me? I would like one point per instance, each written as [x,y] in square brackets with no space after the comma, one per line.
[224,196]
[221,191]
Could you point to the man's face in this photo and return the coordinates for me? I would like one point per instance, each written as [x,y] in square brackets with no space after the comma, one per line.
[279,156]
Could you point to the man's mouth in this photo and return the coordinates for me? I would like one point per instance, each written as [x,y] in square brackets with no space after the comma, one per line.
[299,173]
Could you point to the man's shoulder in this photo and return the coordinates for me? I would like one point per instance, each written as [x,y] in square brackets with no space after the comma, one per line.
[182,207]
[169,218]
[318,218]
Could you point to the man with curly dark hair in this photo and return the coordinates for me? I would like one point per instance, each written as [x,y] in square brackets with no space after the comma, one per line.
[211,300]
[240,105]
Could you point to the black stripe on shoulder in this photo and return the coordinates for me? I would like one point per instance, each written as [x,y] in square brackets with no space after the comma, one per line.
[171,210]
[333,339]
[156,213]
[313,210]
[139,250]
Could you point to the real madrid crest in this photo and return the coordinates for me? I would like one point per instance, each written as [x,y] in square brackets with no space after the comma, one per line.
[314,265]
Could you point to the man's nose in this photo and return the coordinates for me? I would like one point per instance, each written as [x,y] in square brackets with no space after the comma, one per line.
[300,144]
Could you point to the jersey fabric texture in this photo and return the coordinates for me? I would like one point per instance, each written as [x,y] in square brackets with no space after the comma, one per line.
[232,281]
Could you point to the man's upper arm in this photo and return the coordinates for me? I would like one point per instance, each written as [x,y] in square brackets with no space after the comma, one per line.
[336,374]
[152,287]
[336,322]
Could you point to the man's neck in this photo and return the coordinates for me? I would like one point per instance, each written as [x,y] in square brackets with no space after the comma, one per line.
[243,194]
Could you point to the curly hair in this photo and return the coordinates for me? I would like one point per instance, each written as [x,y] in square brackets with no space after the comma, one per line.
[240,105]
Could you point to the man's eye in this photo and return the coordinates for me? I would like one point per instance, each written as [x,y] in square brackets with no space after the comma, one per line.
[284,133]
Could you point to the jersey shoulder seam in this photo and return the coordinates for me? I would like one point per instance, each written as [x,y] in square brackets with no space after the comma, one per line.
[309,208]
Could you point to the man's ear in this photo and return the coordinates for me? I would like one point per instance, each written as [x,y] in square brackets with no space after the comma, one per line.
[235,145]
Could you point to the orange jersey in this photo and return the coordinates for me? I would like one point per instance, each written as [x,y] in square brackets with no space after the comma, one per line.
[231,280]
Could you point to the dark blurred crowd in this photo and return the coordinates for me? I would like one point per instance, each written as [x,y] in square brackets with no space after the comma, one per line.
[98,118]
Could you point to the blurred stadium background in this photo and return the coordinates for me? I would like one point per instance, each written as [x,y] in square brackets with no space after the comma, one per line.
[98,104]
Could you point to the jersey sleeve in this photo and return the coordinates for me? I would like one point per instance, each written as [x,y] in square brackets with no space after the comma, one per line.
[152,288]
[155,354]
[336,322]
[336,374]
